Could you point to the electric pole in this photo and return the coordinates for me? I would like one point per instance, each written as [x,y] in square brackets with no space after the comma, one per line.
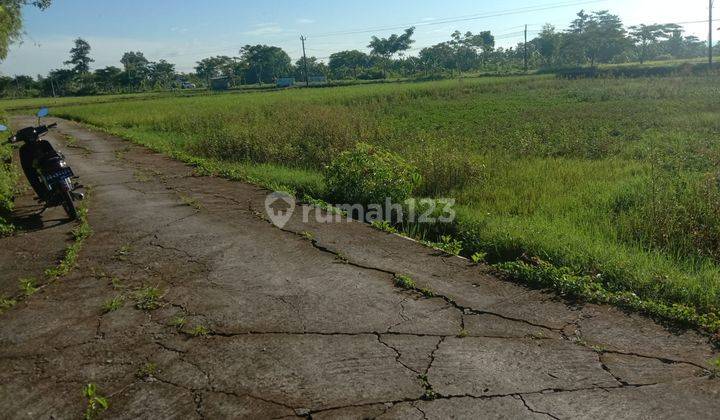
[307,81]
[526,52]
[710,35]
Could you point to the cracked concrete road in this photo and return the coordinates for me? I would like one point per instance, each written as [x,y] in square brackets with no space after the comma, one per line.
[259,322]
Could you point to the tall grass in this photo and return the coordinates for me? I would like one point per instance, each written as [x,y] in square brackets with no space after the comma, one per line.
[609,177]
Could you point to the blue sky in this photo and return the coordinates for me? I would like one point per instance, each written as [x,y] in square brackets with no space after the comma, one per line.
[183,31]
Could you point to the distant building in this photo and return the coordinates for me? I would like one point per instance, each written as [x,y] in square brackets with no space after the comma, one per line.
[284,82]
[220,83]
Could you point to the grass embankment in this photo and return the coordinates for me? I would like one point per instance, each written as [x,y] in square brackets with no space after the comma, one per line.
[614,180]
[8,180]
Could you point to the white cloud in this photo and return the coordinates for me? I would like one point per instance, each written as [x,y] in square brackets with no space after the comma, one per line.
[264,29]
[305,21]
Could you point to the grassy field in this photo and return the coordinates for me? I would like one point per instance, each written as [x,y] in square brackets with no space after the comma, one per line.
[615,181]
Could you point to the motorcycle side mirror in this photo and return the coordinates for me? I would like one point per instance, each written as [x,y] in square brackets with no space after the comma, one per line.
[43,112]
[3,128]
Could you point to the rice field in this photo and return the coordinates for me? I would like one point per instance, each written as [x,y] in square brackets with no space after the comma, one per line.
[611,178]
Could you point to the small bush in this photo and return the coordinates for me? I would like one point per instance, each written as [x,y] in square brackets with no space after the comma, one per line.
[369,175]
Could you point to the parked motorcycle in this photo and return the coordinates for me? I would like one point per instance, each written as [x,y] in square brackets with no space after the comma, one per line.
[46,169]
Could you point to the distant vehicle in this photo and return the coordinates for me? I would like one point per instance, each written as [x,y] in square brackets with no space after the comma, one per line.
[187,85]
[45,168]
[285,82]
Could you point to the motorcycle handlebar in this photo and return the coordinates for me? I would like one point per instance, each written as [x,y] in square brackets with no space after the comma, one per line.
[53,125]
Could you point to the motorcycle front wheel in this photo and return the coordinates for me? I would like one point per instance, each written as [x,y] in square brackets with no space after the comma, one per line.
[69,205]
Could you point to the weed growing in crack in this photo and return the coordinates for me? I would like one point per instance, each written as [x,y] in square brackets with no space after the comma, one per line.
[148,298]
[113,304]
[200,331]
[190,201]
[538,335]
[178,322]
[6,303]
[142,175]
[120,153]
[404,282]
[429,394]
[384,226]
[122,253]
[463,333]
[342,258]
[117,283]
[146,371]
[307,235]
[79,233]
[28,286]
[96,403]
[426,292]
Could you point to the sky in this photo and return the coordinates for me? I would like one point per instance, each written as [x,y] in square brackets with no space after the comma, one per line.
[184,31]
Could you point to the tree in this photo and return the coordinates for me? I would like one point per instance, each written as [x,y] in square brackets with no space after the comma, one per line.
[386,48]
[161,74]
[595,37]
[315,67]
[136,68]
[11,21]
[348,62]
[108,78]
[438,57]
[214,67]
[647,36]
[264,63]
[548,45]
[80,57]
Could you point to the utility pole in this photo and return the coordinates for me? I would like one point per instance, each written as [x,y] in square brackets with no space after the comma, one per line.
[307,80]
[52,85]
[710,35]
[526,52]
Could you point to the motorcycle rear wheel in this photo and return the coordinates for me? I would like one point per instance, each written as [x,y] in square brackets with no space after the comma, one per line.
[69,205]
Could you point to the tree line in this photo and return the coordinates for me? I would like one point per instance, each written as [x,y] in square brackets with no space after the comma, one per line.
[591,39]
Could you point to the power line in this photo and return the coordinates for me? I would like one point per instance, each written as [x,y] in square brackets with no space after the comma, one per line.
[464,18]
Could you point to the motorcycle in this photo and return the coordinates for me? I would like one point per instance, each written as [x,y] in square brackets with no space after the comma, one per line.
[45,168]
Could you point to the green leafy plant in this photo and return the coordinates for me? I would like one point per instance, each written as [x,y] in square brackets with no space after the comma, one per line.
[96,403]
[478,257]
[715,368]
[383,225]
[370,175]
[28,286]
[6,303]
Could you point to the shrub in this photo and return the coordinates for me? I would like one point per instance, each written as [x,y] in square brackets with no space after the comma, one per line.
[369,175]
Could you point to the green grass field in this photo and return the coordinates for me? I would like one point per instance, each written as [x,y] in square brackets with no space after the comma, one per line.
[613,179]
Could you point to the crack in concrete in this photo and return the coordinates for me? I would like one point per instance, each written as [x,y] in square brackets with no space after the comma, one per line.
[398,355]
[532,410]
